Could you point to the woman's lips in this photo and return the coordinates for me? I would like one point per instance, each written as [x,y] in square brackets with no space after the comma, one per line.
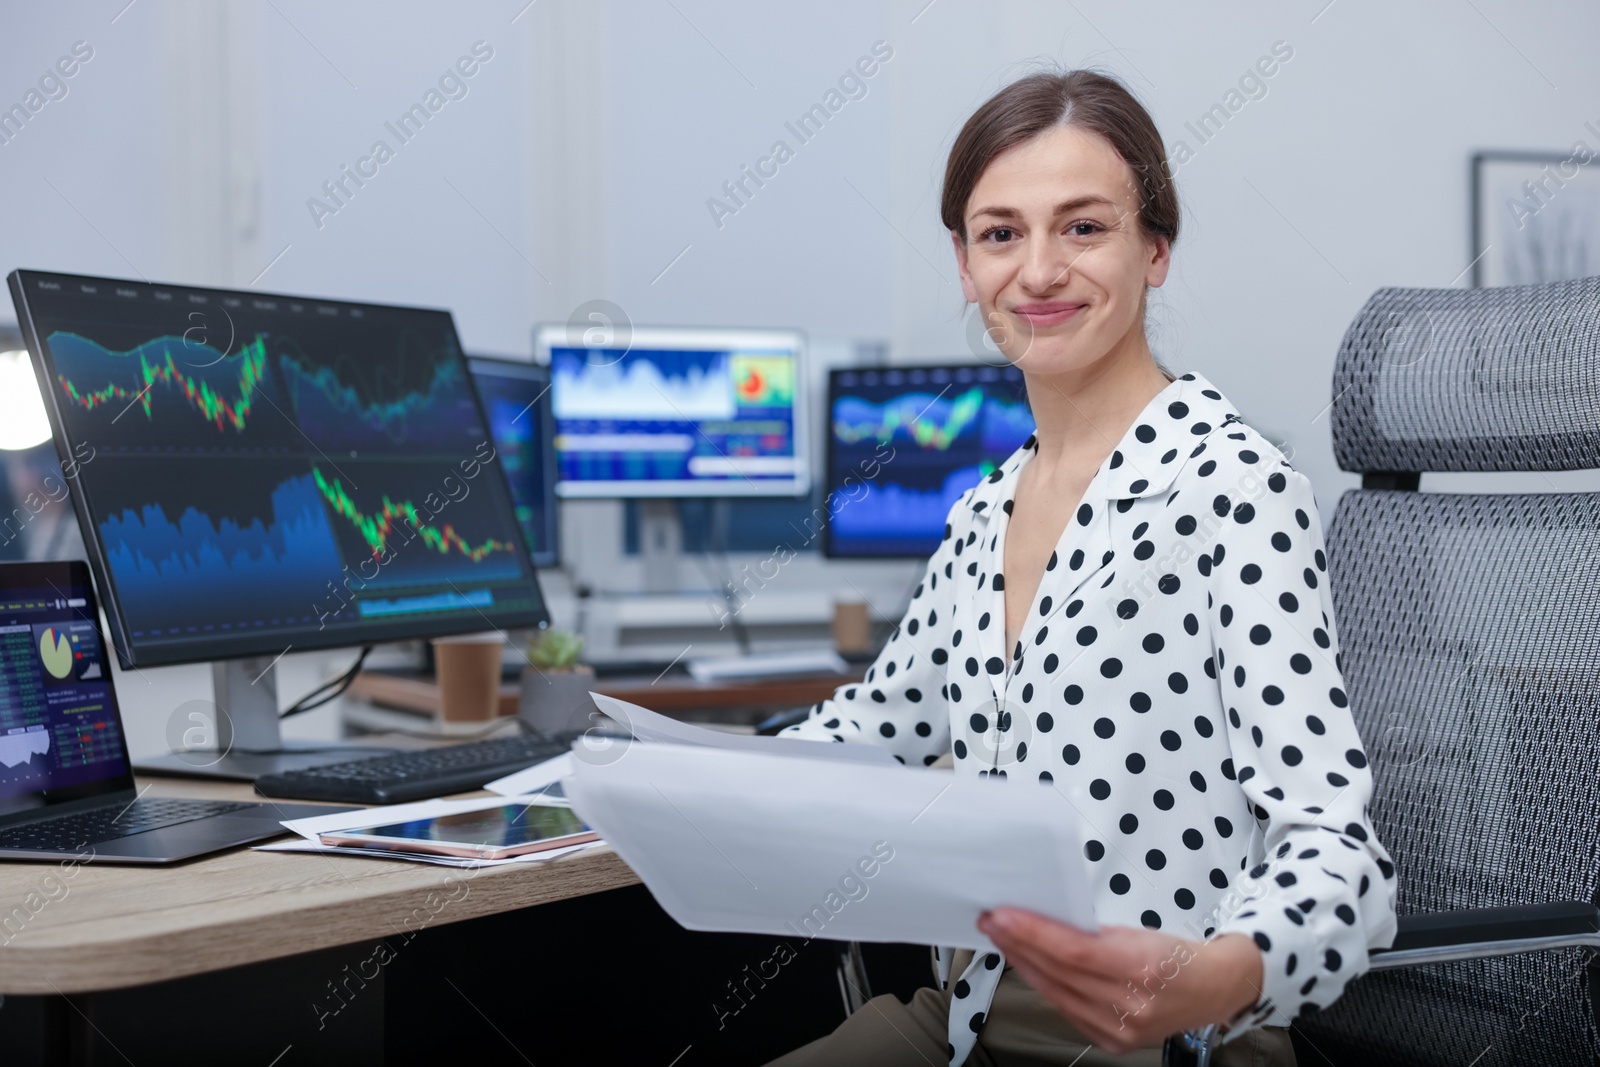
[1047,314]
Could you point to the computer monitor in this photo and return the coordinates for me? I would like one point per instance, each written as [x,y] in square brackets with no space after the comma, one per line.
[257,473]
[905,442]
[516,399]
[677,412]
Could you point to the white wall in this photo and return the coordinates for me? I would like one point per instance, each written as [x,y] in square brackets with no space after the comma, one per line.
[1348,175]
[586,149]
[579,164]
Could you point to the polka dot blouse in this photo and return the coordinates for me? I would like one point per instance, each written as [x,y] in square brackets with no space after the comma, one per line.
[1178,678]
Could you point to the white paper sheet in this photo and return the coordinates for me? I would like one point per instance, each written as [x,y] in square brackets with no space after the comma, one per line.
[647,725]
[761,843]
[534,779]
[300,845]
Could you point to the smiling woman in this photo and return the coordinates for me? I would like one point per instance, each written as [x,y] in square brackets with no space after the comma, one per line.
[1199,723]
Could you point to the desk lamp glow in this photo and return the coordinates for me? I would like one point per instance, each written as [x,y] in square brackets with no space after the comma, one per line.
[23,422]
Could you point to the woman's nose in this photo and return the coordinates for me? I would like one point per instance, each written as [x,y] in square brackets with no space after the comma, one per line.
[1046,267]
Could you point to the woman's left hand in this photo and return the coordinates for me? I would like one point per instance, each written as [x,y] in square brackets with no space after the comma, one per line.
[1128,988]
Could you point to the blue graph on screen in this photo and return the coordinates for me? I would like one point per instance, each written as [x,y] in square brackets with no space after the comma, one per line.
[922,419]
[949,427]
[169,572]
[423,399]
[669,386]
[513,424]
[897,514]
[971,418]
[1006,425]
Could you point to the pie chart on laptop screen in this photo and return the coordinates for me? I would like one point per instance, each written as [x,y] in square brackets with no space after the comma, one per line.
[56,652]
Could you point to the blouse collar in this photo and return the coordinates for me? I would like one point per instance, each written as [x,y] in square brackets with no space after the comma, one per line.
[1146,461]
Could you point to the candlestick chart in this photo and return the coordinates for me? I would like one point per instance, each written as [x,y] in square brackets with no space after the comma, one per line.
[246,480]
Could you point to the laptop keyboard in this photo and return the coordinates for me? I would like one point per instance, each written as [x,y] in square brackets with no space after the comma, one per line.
[69,833]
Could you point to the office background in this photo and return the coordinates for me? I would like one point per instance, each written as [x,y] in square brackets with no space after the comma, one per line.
[576,166]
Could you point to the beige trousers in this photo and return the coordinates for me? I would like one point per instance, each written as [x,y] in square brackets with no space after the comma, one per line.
[1022,1030]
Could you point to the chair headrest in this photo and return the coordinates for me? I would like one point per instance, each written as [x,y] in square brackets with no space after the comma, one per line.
[1504,379]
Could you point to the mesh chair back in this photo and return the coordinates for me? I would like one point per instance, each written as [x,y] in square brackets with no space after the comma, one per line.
[1470,634]
[1471,380]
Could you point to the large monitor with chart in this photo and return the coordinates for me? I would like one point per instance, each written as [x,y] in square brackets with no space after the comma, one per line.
[905,442]
[257,473]
[516,401]
[675,412]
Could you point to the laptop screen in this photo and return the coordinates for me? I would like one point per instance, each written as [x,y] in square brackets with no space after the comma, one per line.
[60,730]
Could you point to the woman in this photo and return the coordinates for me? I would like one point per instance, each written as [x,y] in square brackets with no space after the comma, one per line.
[1134,610]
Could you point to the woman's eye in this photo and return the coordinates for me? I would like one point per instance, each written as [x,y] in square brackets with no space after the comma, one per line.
[1084,229]
[998,233]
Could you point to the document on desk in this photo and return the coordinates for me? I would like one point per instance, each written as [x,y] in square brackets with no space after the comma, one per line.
[757,842]
[296,844]
[310,829]
[651,726]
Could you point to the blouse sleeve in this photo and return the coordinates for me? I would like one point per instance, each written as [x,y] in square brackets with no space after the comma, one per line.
[901,703]
[1325,893]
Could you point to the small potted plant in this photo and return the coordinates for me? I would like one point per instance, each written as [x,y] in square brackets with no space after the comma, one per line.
[555,686]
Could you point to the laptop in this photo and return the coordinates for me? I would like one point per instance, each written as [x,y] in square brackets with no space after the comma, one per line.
[66,786]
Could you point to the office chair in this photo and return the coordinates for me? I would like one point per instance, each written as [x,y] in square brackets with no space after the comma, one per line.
[1470,633]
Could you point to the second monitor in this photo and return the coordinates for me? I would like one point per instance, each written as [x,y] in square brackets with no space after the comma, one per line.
[672,412]
[516,399]
[918,437]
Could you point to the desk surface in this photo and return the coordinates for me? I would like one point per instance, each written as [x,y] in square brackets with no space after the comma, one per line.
[97,927]
[115,927]
[672,694]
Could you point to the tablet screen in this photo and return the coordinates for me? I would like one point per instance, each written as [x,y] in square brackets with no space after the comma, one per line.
[505,826]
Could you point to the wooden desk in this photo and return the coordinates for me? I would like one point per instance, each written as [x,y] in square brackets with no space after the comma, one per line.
[674,694]
[117,927]
[300,958]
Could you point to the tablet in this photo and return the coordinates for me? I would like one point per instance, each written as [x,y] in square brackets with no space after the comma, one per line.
[499,832]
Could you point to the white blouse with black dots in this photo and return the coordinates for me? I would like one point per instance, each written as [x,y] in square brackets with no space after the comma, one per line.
[1179,679]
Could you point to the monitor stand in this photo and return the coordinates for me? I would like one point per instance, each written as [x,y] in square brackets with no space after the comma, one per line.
[243,741]
[660,543]
[749,665]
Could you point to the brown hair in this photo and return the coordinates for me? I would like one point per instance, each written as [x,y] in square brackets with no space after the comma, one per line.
[1081,98]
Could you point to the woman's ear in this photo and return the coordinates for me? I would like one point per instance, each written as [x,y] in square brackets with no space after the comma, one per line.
[1160,262]
[968,289]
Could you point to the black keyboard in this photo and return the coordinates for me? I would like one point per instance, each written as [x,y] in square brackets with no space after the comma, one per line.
[69,833]
[418,775]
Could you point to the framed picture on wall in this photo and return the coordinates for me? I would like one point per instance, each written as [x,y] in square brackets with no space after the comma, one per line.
[1535,216]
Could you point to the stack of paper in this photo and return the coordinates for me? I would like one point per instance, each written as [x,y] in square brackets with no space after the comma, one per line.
[309,829]
[770,843]
[598,748]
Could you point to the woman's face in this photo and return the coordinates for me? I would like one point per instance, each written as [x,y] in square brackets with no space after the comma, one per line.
[1055,258]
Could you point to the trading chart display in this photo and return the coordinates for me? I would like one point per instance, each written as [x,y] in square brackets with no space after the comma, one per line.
[680,413]
[905,442]
[262,472]
[516,398]
[59,725]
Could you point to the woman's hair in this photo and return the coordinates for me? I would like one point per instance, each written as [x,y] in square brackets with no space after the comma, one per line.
[1080,98]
